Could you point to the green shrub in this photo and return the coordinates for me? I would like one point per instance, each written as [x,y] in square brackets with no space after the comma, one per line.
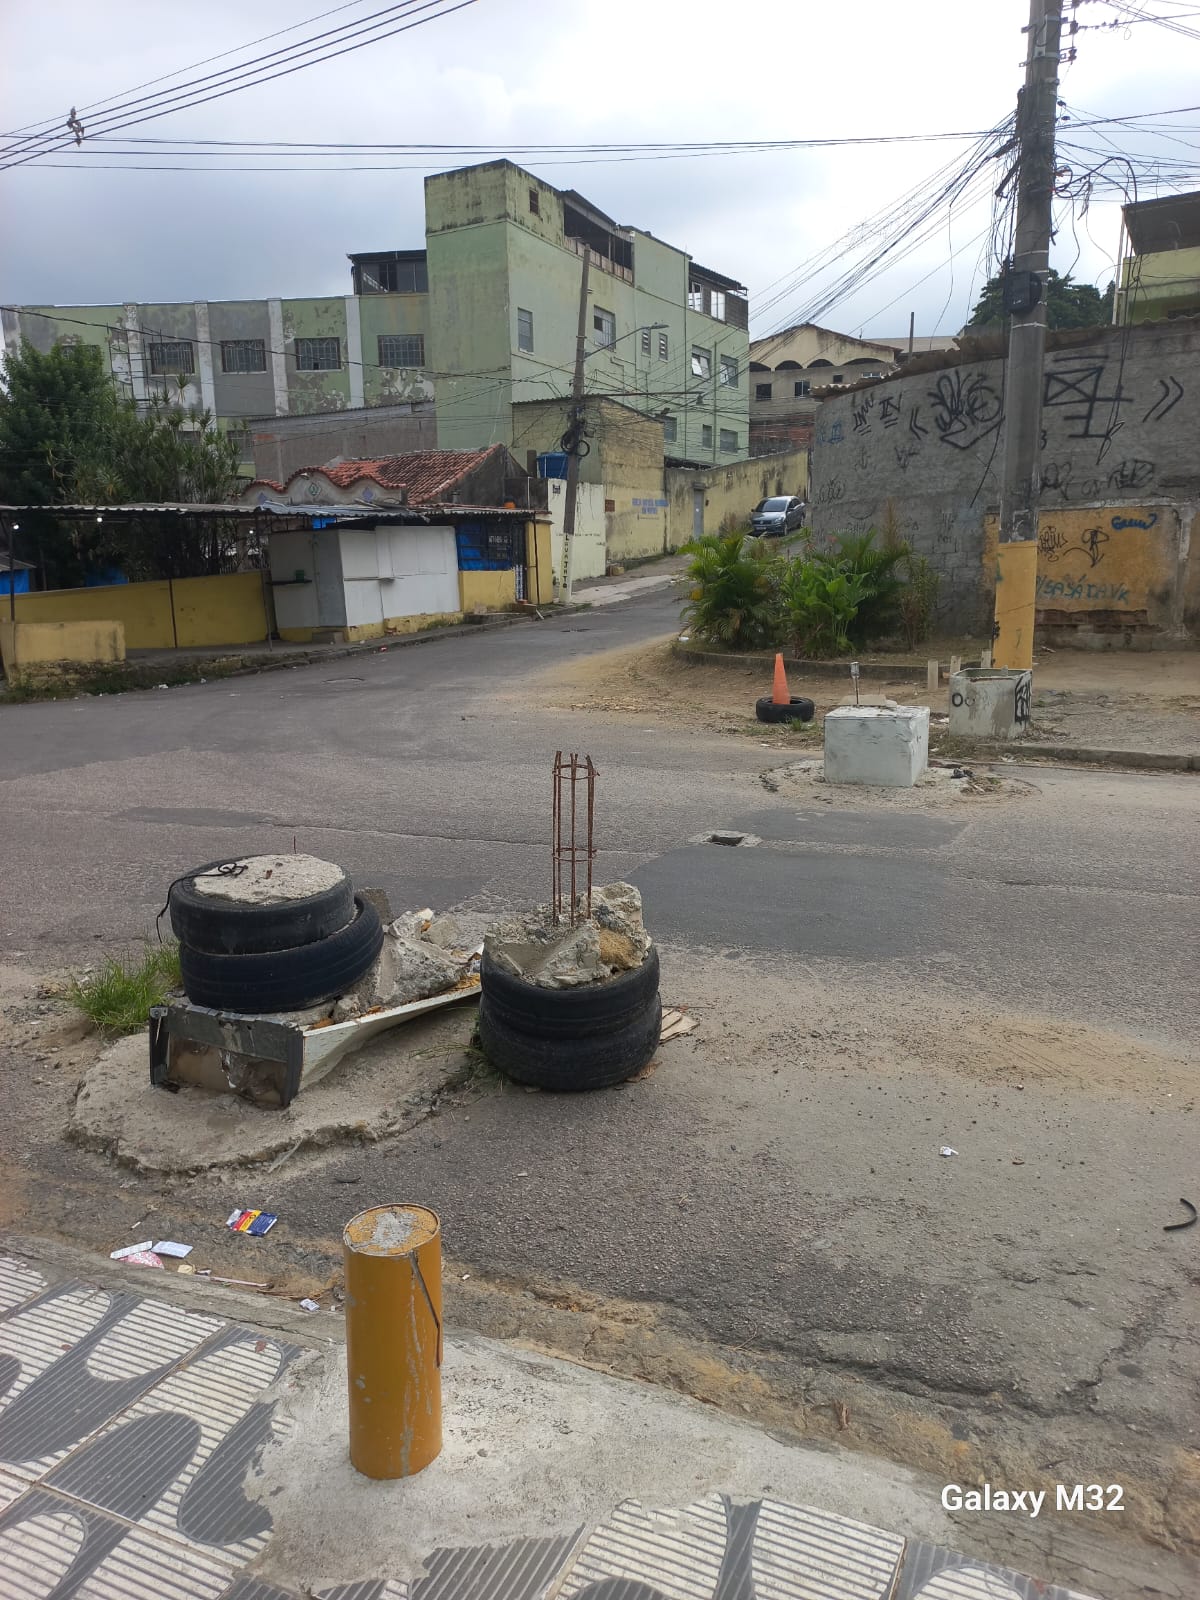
[918,599]
[818,604]
[734,594]
[879,570]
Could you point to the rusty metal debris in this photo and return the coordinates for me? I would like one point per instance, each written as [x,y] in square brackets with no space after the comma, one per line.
[570,855]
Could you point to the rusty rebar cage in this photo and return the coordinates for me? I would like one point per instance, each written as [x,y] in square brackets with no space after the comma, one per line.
[572,857]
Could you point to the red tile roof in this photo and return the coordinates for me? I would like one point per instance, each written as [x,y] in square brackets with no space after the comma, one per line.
[426,476]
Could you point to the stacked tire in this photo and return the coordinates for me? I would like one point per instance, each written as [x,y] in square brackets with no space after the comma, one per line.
[268,955]
[570,1039]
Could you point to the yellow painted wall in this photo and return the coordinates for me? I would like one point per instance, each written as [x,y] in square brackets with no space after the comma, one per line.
[228,609]
[1117,558]
[495,590]
[30,648]
[224,610]
[731,491]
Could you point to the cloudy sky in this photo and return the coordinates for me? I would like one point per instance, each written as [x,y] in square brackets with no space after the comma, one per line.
[509,72]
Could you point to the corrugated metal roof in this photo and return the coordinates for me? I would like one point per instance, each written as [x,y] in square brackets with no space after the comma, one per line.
[425,476]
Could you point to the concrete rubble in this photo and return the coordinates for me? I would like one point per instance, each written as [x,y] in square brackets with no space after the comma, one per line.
[611,940]
[418,959]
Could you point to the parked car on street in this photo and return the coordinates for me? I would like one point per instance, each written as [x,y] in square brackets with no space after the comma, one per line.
[778,515]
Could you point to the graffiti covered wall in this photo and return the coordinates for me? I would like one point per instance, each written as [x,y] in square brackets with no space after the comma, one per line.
[1119,445]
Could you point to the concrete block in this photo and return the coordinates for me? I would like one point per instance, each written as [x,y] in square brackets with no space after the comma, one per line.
[888,746]
[990,702]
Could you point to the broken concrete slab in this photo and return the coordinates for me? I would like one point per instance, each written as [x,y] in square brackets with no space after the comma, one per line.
[611,939]
[390,1085]
[406,968]
[265,880]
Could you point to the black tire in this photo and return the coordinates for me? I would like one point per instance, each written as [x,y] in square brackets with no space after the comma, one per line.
[221,927]
[569,1065]
[284,980]
[595,1008]
[798,709]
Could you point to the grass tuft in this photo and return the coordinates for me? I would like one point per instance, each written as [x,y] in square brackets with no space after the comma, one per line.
[118,998]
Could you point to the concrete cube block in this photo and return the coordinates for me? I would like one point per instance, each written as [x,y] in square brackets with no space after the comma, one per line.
[885,745]
[990,702]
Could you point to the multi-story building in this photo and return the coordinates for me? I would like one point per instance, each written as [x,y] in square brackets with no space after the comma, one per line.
[787,368]
[1160,272]
[484,318]
[664,335]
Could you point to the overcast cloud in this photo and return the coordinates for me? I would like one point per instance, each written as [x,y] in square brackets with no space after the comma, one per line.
[529,71]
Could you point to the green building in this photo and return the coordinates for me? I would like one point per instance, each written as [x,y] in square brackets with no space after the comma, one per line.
[1160,271]
[483,319]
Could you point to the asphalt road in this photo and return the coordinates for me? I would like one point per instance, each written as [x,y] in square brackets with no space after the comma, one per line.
[1014,980]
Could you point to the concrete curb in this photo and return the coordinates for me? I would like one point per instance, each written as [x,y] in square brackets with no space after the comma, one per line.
[882,670]
[1092,755]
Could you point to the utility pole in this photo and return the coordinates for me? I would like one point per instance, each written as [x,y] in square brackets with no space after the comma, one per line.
[1025,304]
[575,434]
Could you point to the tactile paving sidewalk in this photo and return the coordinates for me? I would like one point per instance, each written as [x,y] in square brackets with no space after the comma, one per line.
[127,1426]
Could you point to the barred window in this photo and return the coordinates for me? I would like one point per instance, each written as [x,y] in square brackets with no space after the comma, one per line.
[319,355]
[243,355]
[401,349]
[172,355]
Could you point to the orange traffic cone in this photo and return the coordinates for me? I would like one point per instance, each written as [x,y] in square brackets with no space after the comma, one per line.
[780,695]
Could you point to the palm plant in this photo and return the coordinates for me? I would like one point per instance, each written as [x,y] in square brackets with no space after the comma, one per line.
[734,593]
[880,569]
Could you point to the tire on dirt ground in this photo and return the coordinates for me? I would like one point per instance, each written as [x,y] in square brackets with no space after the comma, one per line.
[285,980]
[594,1008]
[798,709]
[569,1064]
[239,928]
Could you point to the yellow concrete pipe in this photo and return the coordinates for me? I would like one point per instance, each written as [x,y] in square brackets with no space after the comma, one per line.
[393,1257]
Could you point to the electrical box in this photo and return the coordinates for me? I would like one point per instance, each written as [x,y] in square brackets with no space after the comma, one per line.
[1022,291]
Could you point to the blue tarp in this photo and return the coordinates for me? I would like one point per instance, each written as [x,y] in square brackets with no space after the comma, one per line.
[21,585]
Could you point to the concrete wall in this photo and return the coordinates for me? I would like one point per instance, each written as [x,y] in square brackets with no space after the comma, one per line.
[283,445]
[733,491]
[33,650]
[1119,433]
[190,612]
[589,557]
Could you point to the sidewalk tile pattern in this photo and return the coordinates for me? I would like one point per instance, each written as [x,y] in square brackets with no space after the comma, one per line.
[128,1426]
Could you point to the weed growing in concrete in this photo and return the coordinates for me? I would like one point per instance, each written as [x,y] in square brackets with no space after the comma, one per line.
[118,998]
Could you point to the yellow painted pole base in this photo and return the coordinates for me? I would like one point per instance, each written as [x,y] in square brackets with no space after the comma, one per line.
[393,1257]
[1016,599]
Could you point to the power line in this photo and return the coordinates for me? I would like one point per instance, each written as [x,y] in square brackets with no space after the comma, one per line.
[184,96]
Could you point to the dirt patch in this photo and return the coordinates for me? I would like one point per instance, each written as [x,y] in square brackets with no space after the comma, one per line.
[941,788]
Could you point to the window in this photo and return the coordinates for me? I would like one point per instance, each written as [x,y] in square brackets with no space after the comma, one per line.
[701,362]
[729,371]
[706,437]
[762,391]
[664,346]
[392,277]
[243,355]
[670,428]
[803,387]
[645,341]
[695,297]
[401,349]
[173,355]
[604,328]
[729,442]
[838,378]
[716,301]
[319,355]
[524,329]
[535,204]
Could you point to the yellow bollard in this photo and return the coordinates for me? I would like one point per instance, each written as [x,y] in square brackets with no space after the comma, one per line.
[1016,595]
[393,1257]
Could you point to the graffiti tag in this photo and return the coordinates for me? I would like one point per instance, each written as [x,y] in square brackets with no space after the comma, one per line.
[966,408]
[1135,522]
[1069,588]
[1170,396]
[1131,474]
